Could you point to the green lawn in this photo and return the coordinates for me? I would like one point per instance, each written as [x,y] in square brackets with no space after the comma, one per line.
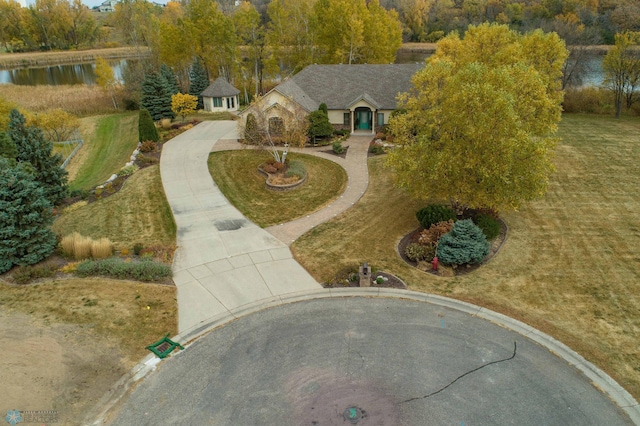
[570,265]
[235,173]
[139,212]
[109,142]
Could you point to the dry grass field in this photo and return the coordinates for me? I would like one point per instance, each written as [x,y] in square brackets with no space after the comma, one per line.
[78,99]
[138,213]
[571,262]
[39,59]
[235,172]
[65,343]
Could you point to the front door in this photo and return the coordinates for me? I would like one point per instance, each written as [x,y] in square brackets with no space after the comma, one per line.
[364,118]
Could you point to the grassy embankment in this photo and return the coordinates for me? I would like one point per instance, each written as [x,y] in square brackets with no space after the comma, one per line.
[570,265]
[109,142]
[235,173]
[138,213]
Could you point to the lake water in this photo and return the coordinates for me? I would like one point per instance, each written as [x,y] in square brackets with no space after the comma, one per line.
[593,76]
[58,74]
[85,73]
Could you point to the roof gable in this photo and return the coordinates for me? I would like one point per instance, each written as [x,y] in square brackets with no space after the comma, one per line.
[219,88]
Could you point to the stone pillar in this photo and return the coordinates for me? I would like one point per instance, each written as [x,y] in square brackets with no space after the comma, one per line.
[365,275]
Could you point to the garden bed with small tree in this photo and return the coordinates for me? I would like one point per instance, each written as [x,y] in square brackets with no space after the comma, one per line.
[460,244]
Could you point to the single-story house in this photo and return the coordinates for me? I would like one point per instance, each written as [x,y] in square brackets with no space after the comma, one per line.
[358,97]
[220,96]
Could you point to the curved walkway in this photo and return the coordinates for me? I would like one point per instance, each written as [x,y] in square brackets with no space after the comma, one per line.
[223,260]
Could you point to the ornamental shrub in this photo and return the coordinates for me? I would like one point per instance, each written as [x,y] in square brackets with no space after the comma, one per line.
[434,213]
[489,225]
[430,237]
[465,244]
[148,146]
[128,170]
[337,148]
[146,128]
[418,252]
[146,270]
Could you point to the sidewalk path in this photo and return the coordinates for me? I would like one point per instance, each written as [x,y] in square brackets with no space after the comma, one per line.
[223,260]
[356,166]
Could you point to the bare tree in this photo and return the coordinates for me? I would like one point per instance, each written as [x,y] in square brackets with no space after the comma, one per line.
[269,126]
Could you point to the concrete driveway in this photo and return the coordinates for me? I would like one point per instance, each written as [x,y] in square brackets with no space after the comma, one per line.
[382,361]
[223,260]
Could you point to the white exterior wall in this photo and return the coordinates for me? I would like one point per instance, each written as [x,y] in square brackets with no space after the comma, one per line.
[336,116]
[208,104]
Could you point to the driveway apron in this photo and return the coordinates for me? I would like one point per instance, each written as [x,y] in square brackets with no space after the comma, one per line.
[223,260]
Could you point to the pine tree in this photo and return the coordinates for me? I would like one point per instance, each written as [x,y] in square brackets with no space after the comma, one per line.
[156,97]
[7,147]
[465,244]
[146,129]
[198,81]
[25,234]
[170,78]
[33,148]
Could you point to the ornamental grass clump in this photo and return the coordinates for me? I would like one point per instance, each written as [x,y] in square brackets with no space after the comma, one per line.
[466,244]
[101,249]
[296,168]
[76,246]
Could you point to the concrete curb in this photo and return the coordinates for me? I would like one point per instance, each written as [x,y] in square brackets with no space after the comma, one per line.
[599,378]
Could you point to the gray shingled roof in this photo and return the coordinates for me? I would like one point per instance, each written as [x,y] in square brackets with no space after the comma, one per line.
[340,86]
[219,88]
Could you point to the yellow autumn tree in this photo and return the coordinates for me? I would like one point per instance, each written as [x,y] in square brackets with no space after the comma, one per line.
[106,80]
[183,104]
[57,124]
[477,129]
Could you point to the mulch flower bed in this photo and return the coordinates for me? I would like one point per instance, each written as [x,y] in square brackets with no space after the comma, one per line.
[495,246]
[350,278]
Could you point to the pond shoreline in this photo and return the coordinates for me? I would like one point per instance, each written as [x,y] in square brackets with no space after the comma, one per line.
[44,59]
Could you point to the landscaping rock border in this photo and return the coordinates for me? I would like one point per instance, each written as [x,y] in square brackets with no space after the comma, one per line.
[282,188]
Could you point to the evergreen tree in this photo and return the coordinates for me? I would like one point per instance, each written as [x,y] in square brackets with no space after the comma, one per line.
[252,134]
[319,125]
[33,148]
[465,244]
[146,129]
[25,217]
[198,81]
[323,108]
[170,78]
[156,96]
[7,147]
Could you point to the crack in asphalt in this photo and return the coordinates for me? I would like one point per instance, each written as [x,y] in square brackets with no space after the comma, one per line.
[515,347]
